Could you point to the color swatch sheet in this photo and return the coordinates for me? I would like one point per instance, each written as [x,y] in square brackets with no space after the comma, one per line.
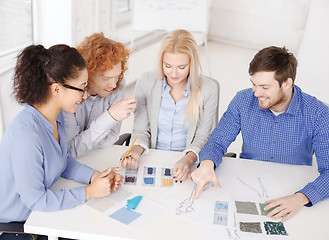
[149,176]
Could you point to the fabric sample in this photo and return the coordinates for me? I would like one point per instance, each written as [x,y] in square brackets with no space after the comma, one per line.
[246,207]
[264,212]
[275,228]
[253,227]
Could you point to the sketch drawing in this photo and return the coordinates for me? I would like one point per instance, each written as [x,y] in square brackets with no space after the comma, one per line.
[260,194]
[186,206]
[263,188]
[234,235]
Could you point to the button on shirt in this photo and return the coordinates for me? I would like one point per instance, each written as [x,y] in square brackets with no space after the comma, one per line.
[172,131]
[291,137]
[31,162]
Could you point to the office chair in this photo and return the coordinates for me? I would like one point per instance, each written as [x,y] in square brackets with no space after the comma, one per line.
[124,139]
[16,228]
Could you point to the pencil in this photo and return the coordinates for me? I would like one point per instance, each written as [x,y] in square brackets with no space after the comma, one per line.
[129,149]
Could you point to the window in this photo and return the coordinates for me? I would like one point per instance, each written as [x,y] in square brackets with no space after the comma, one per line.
[16,25]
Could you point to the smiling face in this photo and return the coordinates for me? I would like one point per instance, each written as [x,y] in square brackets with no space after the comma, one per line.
[103,84]
[71,97]
[269,93]
[176,67]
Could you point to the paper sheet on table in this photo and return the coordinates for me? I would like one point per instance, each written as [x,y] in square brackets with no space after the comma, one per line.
[180,203]
[240,222]
[262,223]
[102,204]
[256,187]
[145,210]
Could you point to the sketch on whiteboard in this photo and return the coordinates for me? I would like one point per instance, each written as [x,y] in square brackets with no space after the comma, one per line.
[173,4]
[260,194]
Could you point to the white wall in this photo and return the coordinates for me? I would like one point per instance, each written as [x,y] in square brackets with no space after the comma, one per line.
[313,69]
[8,105]
[69,21]
[52,22]
[259,23]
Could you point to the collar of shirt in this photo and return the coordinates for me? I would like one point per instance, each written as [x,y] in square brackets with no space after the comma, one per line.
[294,105]
[167,88]
[44,121]
[91,98]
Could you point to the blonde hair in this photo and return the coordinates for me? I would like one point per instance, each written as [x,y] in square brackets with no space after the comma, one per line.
[182,41]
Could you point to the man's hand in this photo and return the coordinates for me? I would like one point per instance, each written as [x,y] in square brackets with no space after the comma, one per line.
[286,207]
[202,175]
[122,109]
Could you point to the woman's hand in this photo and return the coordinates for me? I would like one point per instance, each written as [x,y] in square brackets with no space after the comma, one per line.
[132,160]
[182,168]
[101,184]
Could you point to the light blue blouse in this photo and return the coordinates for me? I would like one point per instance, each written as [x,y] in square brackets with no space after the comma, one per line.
[172,130]
[31,162]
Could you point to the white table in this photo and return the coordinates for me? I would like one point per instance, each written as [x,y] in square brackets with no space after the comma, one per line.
[84,222]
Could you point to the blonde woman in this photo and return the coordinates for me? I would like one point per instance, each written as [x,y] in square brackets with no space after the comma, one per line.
[175,108]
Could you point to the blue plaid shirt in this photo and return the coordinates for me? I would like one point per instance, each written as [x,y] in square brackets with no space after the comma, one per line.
[291,137]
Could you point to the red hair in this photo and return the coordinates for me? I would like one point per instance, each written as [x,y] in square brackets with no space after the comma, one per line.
[101,54]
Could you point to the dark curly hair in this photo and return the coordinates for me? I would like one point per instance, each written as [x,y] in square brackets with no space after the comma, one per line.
[37,67]
[276,59]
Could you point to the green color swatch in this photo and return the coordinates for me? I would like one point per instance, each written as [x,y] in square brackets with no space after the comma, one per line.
[246,207]
[264,212]
[275,228]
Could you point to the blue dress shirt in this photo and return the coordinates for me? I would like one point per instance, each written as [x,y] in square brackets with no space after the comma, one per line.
[172,130]
[291,137]
[31,162]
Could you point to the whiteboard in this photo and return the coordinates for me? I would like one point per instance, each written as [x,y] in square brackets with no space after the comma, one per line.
[150,15]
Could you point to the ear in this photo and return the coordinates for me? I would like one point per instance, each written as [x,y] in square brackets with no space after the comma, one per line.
[288,83]
[55,89]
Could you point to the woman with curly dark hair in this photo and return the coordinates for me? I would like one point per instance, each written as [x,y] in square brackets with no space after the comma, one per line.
[33,150]
[97,121]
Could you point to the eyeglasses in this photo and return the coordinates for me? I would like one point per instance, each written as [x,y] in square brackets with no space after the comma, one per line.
[75,88]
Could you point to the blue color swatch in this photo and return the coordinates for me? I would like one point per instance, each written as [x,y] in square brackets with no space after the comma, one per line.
[132,203]
[125,215]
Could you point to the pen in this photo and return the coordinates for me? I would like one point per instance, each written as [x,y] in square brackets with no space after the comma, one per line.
[129,149]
